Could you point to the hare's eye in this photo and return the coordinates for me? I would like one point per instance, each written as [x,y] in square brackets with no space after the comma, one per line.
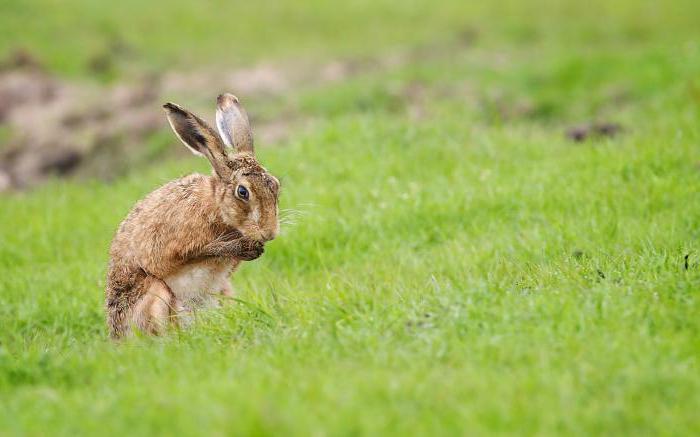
[242,192]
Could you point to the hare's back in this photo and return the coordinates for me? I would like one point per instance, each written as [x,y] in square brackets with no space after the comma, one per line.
[164,221]
[175,200]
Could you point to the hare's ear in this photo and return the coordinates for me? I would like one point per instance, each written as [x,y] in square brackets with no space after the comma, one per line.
[199,137]
[232,122]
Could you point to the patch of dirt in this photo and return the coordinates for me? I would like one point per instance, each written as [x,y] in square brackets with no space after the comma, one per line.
[59,128]
[54,125]
[595,130]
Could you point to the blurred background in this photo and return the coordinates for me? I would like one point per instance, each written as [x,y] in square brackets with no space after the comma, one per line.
[81,82]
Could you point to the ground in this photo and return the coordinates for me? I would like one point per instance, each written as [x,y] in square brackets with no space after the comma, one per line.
[491,226]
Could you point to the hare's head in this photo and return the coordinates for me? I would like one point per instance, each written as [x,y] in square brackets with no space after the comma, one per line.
[249,194]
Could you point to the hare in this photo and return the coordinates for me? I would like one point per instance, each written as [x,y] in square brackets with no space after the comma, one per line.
[177,247]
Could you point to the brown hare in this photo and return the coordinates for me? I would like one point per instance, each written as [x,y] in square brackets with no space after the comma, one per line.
[177,247]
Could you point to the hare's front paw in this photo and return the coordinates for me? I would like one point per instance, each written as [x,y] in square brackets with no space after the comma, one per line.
[250,249]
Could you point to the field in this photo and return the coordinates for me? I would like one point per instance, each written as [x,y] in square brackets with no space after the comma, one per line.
[498,232]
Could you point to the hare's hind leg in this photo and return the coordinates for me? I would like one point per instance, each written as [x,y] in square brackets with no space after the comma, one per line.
[136,299]
[156,307]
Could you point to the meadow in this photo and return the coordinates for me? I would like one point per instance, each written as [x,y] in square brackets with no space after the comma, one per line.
[462,251]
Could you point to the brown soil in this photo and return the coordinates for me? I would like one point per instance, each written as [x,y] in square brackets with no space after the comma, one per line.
[54,128]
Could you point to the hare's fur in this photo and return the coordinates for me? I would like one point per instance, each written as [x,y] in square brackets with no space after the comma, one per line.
[177,247]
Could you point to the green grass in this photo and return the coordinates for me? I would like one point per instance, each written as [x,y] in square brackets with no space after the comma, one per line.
[455,268]
[133,36]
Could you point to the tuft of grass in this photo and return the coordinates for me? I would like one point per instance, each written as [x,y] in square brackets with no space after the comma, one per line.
[448,264]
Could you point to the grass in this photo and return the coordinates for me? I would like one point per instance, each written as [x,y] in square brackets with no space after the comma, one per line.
[457,265]
[132,36]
